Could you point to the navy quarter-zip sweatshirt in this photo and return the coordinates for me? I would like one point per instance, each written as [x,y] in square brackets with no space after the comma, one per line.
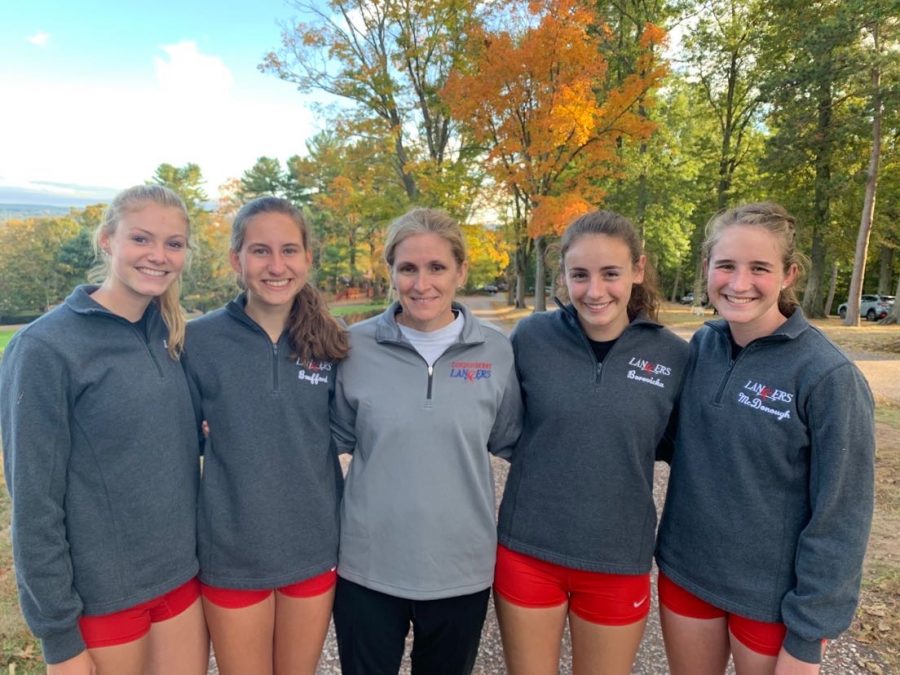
[770,496]
[271,482]
[100,458]
[580,489]
[417,518]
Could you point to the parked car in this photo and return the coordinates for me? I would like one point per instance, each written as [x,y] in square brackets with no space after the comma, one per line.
[688,299]
[873,307]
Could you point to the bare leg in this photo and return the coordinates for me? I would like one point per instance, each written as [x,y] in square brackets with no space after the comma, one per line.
[604,650]
[695,646]
[180,645]
[749,662]
[300,628]
[243,638]
[128,659]
[531,637]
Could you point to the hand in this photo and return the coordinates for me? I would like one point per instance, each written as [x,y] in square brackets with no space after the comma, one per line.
[789,665]
[82,664]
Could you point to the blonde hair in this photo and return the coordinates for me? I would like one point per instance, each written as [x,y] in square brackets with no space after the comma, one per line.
[420,221]
[131,200]
[776,220]
[645,296]
[312,331]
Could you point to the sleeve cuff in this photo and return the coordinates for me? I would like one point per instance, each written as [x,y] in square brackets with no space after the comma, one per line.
[809,651]
[62,646]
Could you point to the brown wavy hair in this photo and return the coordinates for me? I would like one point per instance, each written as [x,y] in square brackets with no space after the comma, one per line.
[312,332]
[645,296]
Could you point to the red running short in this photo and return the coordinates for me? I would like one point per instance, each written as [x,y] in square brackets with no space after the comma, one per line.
[128,625]
[606,599]
[759,636]
[235,598]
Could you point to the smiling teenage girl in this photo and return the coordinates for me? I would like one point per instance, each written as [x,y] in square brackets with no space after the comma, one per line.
[599,379]
[261,371]
[426,393]
[770,497]
[100,458]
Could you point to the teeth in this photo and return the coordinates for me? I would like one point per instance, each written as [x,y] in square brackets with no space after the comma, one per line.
[738,301]
[152,272]
[277,283]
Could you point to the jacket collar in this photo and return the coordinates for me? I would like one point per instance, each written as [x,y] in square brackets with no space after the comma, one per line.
[387,329]
[571,315]
[81,302]
[794,327]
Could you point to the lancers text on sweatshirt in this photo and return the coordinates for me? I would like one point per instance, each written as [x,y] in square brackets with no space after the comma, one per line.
[417,518]
[770,496]
[580,489]
[101,461]
[268,513]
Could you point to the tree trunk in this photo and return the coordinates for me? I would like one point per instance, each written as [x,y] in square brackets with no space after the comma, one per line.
[868,211]
[540,300]
[829,303]
[676,286]
[886,264]
[520,275]
[812,296]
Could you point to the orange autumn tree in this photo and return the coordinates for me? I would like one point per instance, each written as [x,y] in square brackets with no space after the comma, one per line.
[537,98]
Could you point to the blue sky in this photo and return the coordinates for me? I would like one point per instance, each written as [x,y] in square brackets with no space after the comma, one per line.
[97,93]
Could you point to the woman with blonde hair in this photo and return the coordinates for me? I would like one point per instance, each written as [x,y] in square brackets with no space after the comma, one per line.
[427,392]
[101,461]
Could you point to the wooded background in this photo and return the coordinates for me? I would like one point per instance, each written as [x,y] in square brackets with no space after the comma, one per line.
[515,117]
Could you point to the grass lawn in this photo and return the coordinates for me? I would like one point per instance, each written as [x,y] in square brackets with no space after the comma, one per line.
[5,336]
[357,308]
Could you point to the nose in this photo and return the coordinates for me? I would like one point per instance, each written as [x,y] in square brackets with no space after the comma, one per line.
[421,280]
[595,286]
[740,279]
[276,263]
[158,252]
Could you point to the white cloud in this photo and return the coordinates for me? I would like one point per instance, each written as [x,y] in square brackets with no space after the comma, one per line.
[116,133]
[190,73]
[39,39]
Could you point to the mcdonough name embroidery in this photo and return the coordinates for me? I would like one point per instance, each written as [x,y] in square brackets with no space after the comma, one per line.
[316,371]
[470,371]
[763,394]
[645,370]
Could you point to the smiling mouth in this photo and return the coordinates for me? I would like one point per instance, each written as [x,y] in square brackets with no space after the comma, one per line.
[276,283]
[150,272]
[735,300]
[597,306]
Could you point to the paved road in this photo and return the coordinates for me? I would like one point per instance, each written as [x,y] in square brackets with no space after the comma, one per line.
[844,656]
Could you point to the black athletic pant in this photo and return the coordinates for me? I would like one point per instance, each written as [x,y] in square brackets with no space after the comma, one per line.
[372,627]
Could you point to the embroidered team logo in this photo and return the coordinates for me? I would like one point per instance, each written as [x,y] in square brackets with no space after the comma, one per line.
[648,372]
[314,372]
[470,371]
[762,396]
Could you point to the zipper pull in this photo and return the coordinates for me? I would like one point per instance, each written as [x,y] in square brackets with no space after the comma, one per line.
[430,371]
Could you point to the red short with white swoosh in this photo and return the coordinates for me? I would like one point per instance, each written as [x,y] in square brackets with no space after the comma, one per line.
[606,599]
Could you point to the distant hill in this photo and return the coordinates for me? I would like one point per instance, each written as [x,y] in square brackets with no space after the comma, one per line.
[16,211]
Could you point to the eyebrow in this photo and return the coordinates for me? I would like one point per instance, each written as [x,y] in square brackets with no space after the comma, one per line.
[605,268]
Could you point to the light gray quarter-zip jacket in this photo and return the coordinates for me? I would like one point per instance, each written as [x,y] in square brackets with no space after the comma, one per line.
[417,517]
